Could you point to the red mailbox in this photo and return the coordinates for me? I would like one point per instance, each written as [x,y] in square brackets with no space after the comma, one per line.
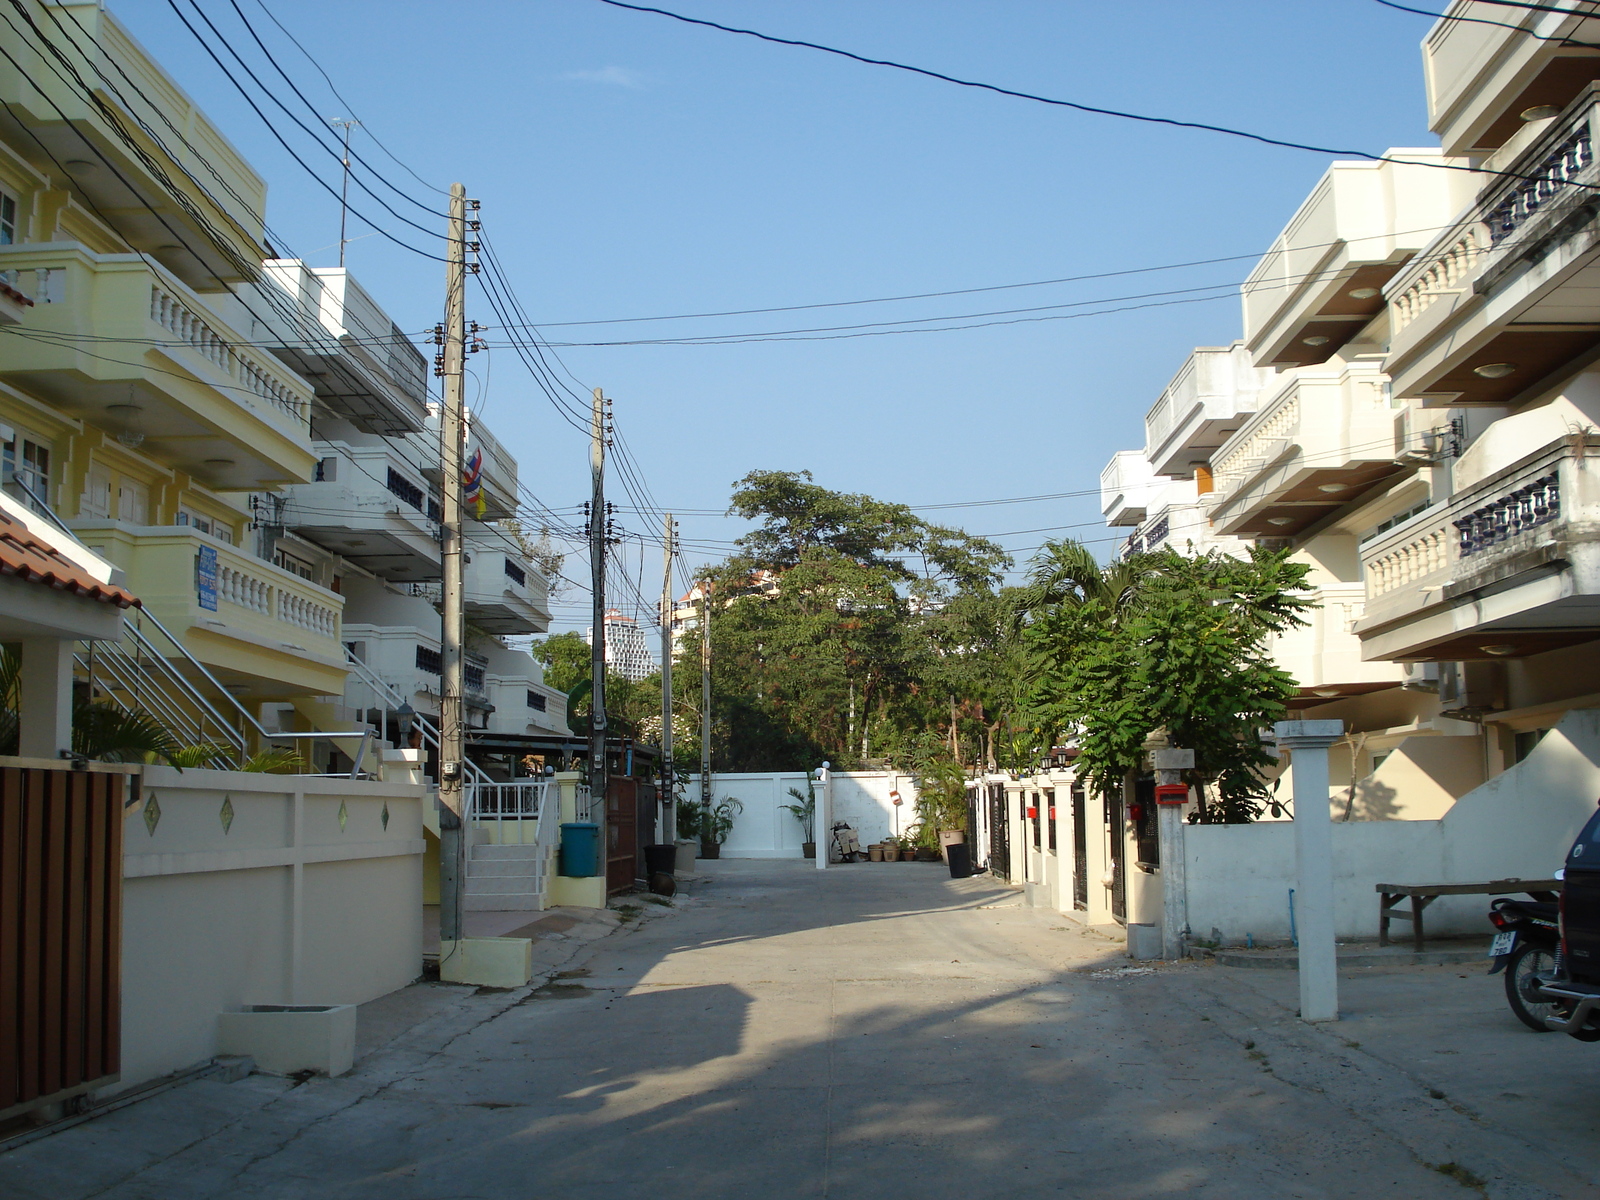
[1172,793]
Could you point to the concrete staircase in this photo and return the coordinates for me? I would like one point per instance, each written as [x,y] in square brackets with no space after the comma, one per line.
[509,878]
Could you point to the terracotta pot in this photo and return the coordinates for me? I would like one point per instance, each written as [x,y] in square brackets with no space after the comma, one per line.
[875,853]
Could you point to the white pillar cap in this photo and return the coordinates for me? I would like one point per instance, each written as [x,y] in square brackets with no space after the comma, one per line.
[1308,733]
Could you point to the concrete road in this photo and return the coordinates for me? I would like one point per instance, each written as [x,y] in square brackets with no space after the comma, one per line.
[875,1030]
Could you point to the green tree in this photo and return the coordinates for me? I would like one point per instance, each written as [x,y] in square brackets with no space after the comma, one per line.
[1162,641]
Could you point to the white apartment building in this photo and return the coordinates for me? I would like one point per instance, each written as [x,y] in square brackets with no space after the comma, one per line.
[1410,410]
[627,649]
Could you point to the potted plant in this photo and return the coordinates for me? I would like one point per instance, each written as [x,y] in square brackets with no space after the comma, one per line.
[806,813]
[716,822]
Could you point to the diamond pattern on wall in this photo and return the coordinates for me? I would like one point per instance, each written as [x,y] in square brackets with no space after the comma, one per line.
[344,816]
[384,816]
[152,814]
[226,814]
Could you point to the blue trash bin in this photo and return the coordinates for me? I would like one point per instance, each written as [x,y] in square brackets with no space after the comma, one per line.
[580,849]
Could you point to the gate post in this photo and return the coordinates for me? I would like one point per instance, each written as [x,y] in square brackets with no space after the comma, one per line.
[1313,844]
[824,815]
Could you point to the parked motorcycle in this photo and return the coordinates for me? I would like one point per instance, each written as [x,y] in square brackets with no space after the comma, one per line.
[1573,986]
[1527,945]
[1551,952]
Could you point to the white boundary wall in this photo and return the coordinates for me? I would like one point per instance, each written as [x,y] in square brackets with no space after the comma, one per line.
[1518,825]
[763,830]
[283,906]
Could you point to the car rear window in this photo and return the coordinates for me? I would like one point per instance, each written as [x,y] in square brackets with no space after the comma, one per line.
[1586,850]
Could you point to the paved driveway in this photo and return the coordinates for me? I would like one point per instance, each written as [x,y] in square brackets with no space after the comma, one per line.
[870,1031]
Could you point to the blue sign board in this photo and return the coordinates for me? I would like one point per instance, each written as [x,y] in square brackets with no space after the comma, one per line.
[205,576]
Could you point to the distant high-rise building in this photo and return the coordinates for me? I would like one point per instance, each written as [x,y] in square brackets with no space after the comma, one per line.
[627,651]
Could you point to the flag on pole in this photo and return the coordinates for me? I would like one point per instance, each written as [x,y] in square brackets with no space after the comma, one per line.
[472,485]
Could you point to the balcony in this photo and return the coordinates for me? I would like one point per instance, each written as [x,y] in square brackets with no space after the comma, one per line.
[502,592]
[360,363]
[1503,301]
[263,631]
[1324,656]
[500,489]
[65,128]
[1482,77]
[368,505]
[1322,281]
[523,702]
[409,660]
[1206,402]
[132,350]
[1508,567]
[1128,488]
[1318,442]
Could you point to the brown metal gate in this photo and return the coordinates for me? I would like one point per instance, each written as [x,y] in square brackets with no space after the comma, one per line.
[622,834]
[60,933]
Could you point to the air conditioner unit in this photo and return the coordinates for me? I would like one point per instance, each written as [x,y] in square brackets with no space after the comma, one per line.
[1467,690]
[1421,677]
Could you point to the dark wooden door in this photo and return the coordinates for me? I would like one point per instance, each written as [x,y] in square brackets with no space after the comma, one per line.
[60,933]
[1080,853]
[1115,834]
[622,834]
[999,832]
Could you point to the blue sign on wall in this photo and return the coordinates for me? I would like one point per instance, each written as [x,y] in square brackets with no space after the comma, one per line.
[205,576]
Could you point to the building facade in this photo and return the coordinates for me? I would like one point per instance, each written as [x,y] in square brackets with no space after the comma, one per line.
[1409,411]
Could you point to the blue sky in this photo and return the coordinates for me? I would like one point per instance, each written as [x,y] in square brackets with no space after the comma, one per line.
[632,166]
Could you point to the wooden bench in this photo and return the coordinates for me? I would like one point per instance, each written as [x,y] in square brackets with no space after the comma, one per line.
[1424,894]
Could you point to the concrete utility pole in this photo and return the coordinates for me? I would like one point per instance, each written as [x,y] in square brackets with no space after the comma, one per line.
[452,446]
[1171,794]
[597,587]
[705,693]
[1313,846]
[669,809]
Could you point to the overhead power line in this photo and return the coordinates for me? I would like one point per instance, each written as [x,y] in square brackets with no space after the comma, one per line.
[1078,106]
[1423,12]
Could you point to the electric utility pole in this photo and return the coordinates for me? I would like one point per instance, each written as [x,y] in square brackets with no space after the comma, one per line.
[668,776]
[597,587]
[705,693]
[452,443]
[344,188]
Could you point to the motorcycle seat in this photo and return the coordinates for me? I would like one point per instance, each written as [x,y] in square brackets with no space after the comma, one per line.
[1528,908]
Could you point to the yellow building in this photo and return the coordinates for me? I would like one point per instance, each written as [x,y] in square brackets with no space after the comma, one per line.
[140,398]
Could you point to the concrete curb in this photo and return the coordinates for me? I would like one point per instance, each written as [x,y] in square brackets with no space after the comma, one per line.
[1285,960]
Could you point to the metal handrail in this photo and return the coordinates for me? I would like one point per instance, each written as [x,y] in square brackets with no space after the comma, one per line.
[430,732]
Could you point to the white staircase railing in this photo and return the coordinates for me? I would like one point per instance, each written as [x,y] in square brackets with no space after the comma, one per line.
[391,702]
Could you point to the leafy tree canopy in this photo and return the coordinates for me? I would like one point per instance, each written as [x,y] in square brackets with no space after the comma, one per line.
[1161,641]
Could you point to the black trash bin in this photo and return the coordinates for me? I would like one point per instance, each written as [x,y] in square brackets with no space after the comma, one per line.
[660,859]
[960,857]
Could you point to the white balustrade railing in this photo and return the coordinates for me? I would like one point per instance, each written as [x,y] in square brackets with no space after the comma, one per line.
[1442,272]
[258,595]
[1261,442]
[177,318]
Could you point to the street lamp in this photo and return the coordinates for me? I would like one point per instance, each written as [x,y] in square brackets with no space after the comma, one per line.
[404,717]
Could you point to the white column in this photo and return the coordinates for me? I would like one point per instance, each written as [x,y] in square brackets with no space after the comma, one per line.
[44,711]
[1171,761]
[824,815]
[1313,842]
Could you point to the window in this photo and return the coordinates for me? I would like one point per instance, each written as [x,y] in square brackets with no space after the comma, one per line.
[133,502]
[293,563]
[435,510]
[1525,742]
[536,700]
[474,677]
[404,489]
[1400,518]
[8,219]
[430,660]
[516,574]
[25,462]
[204,524]
[96,493]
